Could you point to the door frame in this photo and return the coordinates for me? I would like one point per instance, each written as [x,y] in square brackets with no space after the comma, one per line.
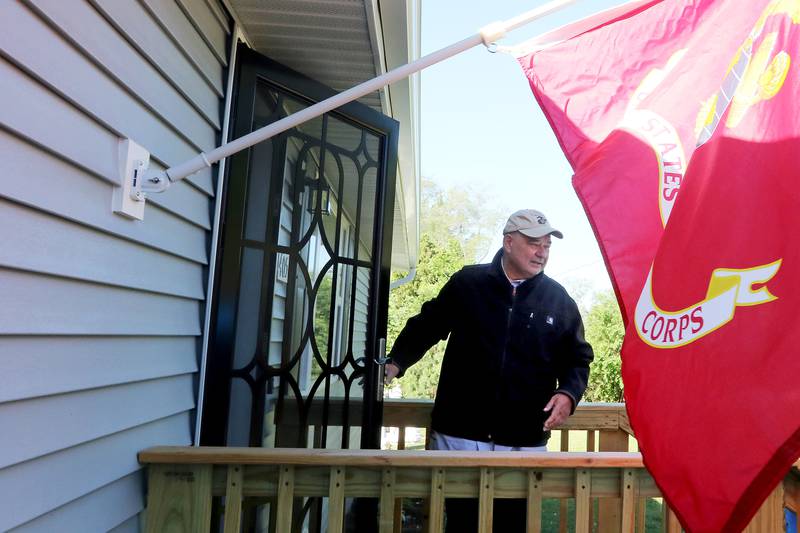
[250,66]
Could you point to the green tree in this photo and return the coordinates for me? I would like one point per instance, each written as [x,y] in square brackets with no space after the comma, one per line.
[436,264]
[464,214]
[322,312]
[605,332]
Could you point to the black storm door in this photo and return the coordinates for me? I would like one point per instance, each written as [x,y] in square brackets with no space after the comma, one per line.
[302,286]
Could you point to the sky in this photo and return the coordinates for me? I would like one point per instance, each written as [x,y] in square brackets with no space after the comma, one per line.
[481,127]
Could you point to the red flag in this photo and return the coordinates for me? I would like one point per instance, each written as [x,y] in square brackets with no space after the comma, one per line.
[681,121]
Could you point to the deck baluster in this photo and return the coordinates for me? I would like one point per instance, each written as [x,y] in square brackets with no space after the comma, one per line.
[671,523]
[336,500]
[562,506]
[233,499]
[436,514]
[387,504]
[486,501]
[583,487]
[285,498]
[534,501]
[630,497]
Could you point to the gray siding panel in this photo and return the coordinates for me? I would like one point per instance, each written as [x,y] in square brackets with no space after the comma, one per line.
[47,244]
[210,27]
[120,500]
[222,18]
[137,23]
[44,305]
[31,364]
[78,80]
[185,201]
[59,478]
[35,113]
[51,423]
[87,200]
[134,524]
[82,25]
[190,41]
[102,316]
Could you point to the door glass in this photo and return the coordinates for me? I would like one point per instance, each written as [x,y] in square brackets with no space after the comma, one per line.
[304,289]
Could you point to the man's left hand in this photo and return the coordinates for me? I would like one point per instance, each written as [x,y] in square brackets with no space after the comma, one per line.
[559,407]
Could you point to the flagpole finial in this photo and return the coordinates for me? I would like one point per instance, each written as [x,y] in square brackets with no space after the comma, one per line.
[491,33]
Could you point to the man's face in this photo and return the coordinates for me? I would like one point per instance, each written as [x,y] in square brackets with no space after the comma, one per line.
[525,256]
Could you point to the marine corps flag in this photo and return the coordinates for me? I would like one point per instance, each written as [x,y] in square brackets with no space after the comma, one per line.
[681,120]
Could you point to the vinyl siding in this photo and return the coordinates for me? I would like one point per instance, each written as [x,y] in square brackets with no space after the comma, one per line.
[361,313]
[121,499]
[101,316]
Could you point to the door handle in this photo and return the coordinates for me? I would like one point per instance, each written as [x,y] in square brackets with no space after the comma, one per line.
[381,358]
[380,364]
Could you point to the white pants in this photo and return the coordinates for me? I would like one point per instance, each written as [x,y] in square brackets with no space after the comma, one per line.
[440,441]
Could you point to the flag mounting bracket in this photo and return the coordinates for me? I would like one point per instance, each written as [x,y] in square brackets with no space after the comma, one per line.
[137,180]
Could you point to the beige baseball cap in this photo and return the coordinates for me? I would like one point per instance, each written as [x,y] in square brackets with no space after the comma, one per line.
[532,223]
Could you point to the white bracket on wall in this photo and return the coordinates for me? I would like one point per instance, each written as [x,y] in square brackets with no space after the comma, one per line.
[136,180]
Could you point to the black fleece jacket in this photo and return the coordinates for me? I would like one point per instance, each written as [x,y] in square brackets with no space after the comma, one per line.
[509,351]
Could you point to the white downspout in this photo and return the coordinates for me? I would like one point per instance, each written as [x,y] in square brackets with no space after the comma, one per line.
[405,279]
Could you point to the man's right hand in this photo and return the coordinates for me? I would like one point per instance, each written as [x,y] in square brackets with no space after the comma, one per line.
[390,370]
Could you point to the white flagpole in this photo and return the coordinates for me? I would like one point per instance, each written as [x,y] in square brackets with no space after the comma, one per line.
[487,35]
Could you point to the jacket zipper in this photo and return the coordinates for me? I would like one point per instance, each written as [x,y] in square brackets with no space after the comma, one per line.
[508,330]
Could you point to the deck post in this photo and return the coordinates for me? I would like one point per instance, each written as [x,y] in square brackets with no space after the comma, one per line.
[179,498]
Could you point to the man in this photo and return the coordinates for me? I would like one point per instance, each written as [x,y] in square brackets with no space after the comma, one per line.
[516,363]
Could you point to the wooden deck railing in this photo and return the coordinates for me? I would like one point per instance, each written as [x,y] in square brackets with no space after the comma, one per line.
[183,481]
[609,486]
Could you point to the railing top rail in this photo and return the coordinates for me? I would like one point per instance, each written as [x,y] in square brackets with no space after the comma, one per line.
[588,406]
[400,412]
[379,458]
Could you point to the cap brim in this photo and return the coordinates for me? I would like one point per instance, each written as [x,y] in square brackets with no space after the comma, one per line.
[541,232]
